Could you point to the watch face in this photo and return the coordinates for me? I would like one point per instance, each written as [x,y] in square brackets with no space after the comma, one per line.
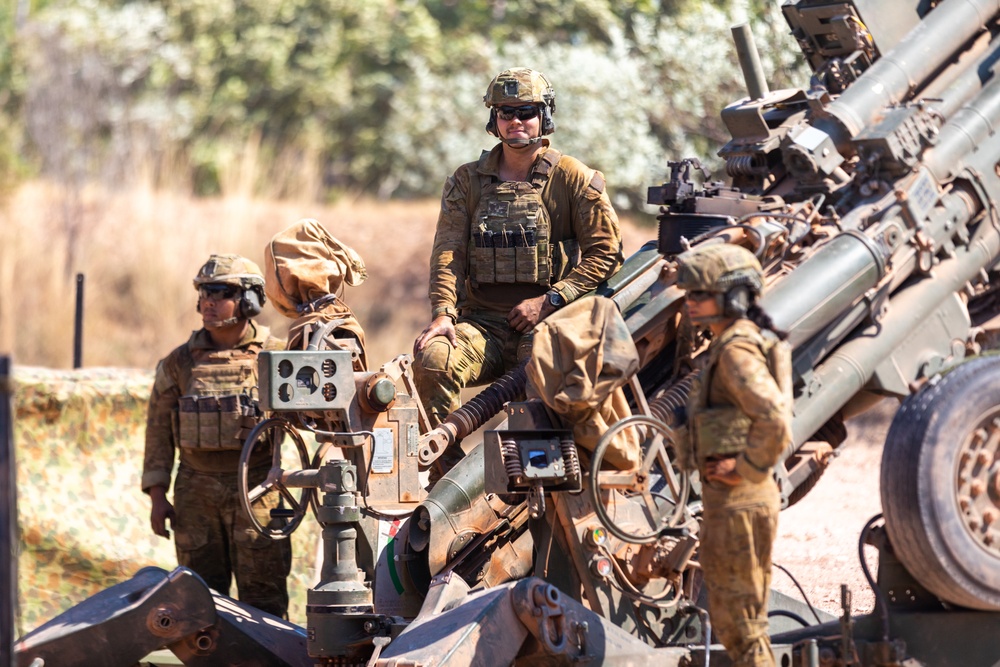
[556,299]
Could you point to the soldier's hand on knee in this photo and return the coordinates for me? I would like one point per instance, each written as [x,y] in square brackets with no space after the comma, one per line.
[441,326]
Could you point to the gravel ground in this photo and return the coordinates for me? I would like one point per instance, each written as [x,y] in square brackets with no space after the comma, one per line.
[818,536]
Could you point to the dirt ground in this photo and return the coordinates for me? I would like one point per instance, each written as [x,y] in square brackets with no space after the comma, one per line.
[818,536]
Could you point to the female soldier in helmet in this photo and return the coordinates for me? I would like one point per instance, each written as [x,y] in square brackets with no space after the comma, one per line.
[739,422]
[523,231]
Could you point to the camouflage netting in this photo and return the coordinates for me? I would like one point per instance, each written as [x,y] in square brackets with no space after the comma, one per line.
[78,438]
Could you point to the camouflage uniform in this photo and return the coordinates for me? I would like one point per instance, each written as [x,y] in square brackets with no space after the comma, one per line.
[213,535]
[736,408]
[578,209]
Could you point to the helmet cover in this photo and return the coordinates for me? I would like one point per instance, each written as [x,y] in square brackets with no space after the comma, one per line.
[230,270]
[519,86]
[719,268]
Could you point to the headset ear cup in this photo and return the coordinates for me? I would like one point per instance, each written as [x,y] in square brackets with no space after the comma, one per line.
[548,125]
[737,301]
[491,124]
[250,303]
[197,305]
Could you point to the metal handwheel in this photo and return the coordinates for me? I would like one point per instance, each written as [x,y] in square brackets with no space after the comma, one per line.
[271,430]
[661,492]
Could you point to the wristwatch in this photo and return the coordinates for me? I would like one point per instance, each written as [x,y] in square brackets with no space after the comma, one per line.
[556,300]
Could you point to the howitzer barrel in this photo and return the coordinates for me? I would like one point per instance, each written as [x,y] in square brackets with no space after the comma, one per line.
[829,294]
[822,326]
[965,132]
[906,68]
[824,286]
[848,370]
[950,91]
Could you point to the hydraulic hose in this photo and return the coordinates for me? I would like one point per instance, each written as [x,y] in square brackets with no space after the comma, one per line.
[488,402]
[667,406]
[473,414]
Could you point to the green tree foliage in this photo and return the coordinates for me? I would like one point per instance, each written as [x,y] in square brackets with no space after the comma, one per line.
[382,96]
[12,166]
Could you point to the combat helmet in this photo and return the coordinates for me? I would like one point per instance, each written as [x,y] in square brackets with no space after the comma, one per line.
[730,272]
[239,271]
[520,86]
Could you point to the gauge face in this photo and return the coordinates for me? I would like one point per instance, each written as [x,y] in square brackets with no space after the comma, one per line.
[597,536]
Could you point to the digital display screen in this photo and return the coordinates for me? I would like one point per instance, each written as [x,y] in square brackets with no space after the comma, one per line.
[538,458]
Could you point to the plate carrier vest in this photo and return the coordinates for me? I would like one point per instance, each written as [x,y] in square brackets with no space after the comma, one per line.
[723,430]
[510,240]
[217,409]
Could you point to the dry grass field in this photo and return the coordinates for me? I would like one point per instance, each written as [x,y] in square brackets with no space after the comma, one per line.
[140,249]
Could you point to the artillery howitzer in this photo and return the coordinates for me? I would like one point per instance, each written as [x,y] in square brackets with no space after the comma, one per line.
[871,201]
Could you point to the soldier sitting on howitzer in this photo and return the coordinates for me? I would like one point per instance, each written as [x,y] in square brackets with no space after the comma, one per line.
[201,406]
[523,231]
[739,422]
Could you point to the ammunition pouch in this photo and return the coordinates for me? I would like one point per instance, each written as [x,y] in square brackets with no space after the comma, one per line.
[215,422]
[510,244]
[720,431]
[521,258]
[510,240]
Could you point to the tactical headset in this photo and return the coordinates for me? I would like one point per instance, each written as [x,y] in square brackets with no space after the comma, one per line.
[251,301]
[736,301]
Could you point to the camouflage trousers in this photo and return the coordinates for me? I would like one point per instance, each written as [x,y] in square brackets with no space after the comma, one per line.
[487,348]
[213,536]
[738,531]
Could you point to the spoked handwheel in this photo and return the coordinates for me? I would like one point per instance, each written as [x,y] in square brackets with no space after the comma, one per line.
[661,492]
[265,497]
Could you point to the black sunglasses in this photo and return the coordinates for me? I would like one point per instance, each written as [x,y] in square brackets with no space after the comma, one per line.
[217,291]
[699,295]
[521,113]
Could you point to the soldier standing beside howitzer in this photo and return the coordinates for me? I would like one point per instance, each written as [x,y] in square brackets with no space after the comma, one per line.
[523,231]
[201,405]
[738,423]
